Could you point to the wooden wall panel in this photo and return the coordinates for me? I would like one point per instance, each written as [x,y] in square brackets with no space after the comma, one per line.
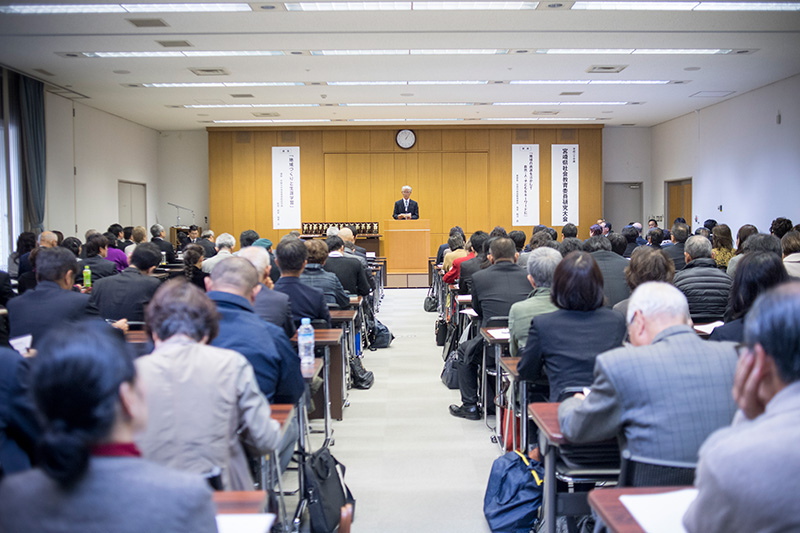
[460,176]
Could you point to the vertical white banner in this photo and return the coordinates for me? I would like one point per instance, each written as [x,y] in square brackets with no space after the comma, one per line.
[564,163]
[524,184]
[285,187]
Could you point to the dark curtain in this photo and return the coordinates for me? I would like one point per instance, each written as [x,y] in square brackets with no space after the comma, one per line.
[30,104]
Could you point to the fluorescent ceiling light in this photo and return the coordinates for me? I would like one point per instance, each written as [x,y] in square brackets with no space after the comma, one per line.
[269,121]
[431,119]
[376,120]
[234,106]
[406,104]
[356,83]
[688,6]
[212,84]
[449,82]
[536,119]
[398,82]
[748,6]
[476,51]
[629,51]
[559,103]
[588,82]
[184,53]
[409,6]
[61,9]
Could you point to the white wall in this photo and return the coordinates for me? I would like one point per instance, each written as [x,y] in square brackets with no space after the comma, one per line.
[737,156]
[104,149]
[183,176]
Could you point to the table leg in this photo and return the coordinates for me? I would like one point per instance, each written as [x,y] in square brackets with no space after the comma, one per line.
[302,423]
[549,504]
[327,395]
[523,415]
[498,351]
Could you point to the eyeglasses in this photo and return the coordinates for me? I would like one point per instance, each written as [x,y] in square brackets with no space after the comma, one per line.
[743,349]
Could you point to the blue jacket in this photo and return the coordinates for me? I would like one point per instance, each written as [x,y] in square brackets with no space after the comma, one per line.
[306,301]
[275,362]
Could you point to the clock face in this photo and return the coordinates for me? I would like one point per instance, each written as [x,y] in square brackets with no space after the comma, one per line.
[406,139]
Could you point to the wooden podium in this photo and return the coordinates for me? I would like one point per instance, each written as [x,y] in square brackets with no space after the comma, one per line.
[407,245]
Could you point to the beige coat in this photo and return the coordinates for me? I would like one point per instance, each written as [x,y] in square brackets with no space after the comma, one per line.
[203,405]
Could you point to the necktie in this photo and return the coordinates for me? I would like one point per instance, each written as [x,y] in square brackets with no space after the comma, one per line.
[406,201]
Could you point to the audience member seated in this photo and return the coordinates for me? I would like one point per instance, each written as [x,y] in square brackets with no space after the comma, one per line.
[646,264]
[207,242]
[114,254]
[723,245]
[271,305]
[27,280]
[680,234]
[655,236]
[224,248]
[519,240]
[454,274]
[96,251]
[275,272]
[780,227]
[19,429]
[569,230]
[538,239]
[348,250]
[612,266]
[118,233]
[90,476]
[204,401]
[25,243]
[468,267]
[756,274]
[52,302]
[158,234]
[742,235]
[569,245]
[139,235]
[350,241]
[126,294]
[757,243]
[541,266]
[247,238]
[494,290]
[444,248]
[349,270]
[706,287]
[566,342]
[193,256]
[790,244]
[641,241]
[457,251]
[765,432]
[630,233]
[662,395]
[595,230]
[315,276]
[74,245]
[47,239]
[127,237]
[307,302]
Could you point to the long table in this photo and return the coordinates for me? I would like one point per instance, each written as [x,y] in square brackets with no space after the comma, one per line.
[614,513]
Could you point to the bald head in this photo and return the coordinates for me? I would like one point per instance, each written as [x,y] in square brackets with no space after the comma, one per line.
[235,276]
[48,239]
[346,235]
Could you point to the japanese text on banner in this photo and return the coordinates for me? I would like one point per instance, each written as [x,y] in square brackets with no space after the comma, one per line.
[564,183]
[525,184]
[286,187]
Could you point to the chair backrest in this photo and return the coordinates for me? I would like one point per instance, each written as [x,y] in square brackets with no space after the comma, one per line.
[497,322]
[319,323]
[568,392]
[638,471]
[213,477]
[346,518]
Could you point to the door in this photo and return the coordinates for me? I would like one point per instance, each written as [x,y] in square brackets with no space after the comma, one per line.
[132,198]
[622,203]
[679,202]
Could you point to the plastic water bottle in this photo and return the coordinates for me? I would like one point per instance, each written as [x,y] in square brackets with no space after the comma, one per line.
[305,342]
[87,277]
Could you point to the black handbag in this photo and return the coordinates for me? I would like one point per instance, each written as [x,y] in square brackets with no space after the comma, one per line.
[325,490]
[431,303]
[450,371]
[441,332]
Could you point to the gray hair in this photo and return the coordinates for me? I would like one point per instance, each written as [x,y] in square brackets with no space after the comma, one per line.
[258,257]
[156,229]
[656,299]
[225,240]
[207,234]
[405,188]
[542,263]
[332,230]
[698,247]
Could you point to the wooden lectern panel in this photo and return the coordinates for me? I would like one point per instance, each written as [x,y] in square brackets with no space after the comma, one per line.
[407,244]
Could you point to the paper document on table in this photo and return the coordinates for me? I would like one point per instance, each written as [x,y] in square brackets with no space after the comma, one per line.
[706,329]
[501,334]
[245,523]
[660,513]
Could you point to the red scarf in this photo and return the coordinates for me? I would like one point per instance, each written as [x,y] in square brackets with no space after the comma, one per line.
[116,449]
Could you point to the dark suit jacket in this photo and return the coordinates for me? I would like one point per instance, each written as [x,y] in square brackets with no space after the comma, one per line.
[166,247]
[629,249]
[730,331]
[101,268]
[307,302]
[275,272]
[400,208]
[496,288]
[274,307]
[124,295]
[613,268]
[37,311]
[350,273]
[675,252]
[468,268]
[6,293]
[209,250]
[567,343]
[274,360]
[443,249]
[18,428]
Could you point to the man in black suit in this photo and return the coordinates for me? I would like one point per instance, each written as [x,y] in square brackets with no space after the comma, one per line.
[611,264]
[96,250]
[271,305]
[680,232]
[52,301]
[307,301]
[209,250]
[406,208]
[19,431]
[349,270]
[348,235]
[494,290]
[126,294]
[158,233]
[479,239]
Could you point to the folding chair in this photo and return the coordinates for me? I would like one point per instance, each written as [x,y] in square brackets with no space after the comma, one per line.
[638,471]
